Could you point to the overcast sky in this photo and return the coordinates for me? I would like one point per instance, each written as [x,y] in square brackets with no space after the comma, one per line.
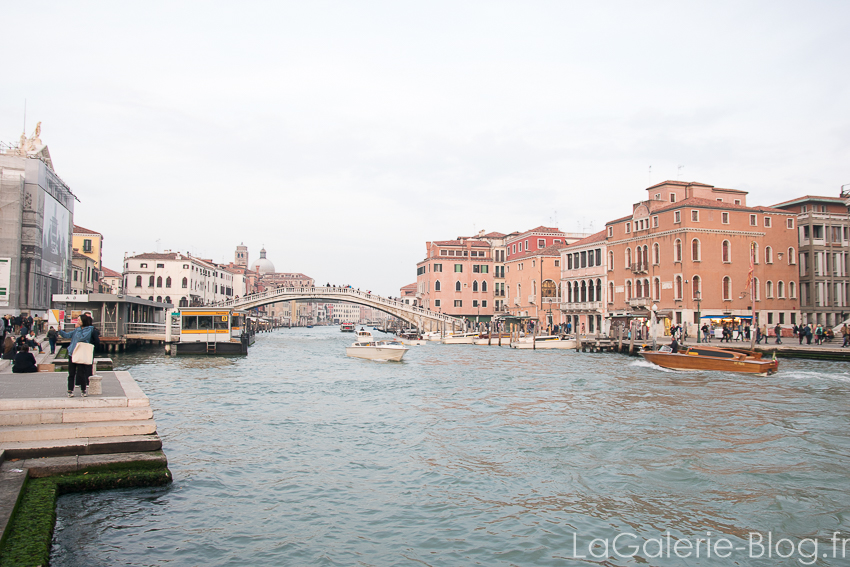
[343,135]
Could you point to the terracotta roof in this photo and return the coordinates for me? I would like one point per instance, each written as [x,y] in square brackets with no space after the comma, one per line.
[598,237]
[679,183]
[107,273]
[477,243]
[159,256]
[805,198]
[554,250]
[77,255]
[81,230]
[544,229]
[495,235]
[409,289]
[712,204]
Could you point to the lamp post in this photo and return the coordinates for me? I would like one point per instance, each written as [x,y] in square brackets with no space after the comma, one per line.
[699,320]
[653,311]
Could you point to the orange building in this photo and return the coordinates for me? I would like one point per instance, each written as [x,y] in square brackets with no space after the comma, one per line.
[686,250]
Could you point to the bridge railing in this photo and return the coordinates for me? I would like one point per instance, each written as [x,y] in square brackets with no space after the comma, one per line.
[151,329]
[336,291]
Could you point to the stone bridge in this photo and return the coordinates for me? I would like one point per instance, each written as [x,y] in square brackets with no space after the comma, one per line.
[423,319]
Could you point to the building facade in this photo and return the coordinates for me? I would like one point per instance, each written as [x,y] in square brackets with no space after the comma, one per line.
[584,279]
[180,279]
[823,243]
[88,243]
[36,227]
[111,281]
[85,277]
[686,252]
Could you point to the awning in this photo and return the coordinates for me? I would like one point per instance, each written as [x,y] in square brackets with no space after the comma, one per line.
[742,317]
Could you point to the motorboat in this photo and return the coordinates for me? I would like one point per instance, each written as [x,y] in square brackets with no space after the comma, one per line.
[411,337]
[347,327]
[712,358]
[492,339]
[545,342]
[363,336]
[432,336]
[377,350]
[460,339]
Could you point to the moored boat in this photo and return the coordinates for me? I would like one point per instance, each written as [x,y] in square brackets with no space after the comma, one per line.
[712,358]
[460,339]
[492,339]
[377,350]
[544,342]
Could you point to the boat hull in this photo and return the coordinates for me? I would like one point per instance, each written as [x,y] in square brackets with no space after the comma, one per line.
[677,361]
[376,353]
[565,344]
[459,340]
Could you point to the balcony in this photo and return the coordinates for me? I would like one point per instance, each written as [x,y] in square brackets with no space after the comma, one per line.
[640,268]
[531,299]
[583,307]
[551,300]
[640,302]
[516,300]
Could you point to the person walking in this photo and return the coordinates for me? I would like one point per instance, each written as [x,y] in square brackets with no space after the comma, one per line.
[808,334]
[705,335]
[747,332]
[777,330]
[801,333]
[51,338]
[845,333]
[819,335]
[79,373]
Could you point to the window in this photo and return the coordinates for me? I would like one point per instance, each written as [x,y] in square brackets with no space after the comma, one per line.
[610,231]
[628,258]
[484,303]
[438,267]
[677,216]
[150,281]
[657,289]
[696,287]
[678,287]
[753,220]
[159,281]
[590,258]
[457,286]
[526,246]
[610,260]
[656,254]
[695,216]
[160,265]
[655,221]
[790,223]
[599,256]
[437,285]
[474,286]
[436,303]
[444,253]
[541,243]
[756,289]
[185,283]
[727,288]
[611,292]
[458,303]
[458,268]
[514,249]
[780,289]
[767,222]
[792,290]
[628,290]
[792,259]
[724,218]
[768,254]
[769,289]
[755,252]
[725,252]
[672,197]
[483,286]
[658,196]
[695,250]
[737,201]
[677,251]
[138,281]
[168,284]
[628,227]
[76,273]
[186,266]
[475,303]
[87,245]
[143,265]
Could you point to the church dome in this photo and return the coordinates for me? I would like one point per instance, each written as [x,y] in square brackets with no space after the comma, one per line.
[263,265]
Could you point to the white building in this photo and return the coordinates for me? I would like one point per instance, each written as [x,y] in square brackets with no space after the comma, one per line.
[180,279]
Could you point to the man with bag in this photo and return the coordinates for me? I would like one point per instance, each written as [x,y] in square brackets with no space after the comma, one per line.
[81,353]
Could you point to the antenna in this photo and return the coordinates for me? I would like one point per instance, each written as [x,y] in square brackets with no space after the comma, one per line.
[679,171]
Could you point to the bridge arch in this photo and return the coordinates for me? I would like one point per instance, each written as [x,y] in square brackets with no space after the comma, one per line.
[423,319]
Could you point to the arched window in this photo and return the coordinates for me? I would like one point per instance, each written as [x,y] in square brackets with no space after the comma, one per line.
[780,289]
[657,289]
[695,250]
[474,285]
[792,290]
[656,254]
[576,295]
[584,291]
[628,257]
[677,251]
[755,252]
[569,292]
[168,299]
[792,257]
[598,290]
[484,286]
[159,299]
[183,301]
[457,286]
[725,252]
[756,291]
[611,260]
[168,281]
[727,288]
[549,289]
[678,287]
[159,281]
[611,292]
[639,288]
[768,288]
[437,285]
[696,287]
[768,255]
[628,290]
[590,295]
[185,283]
[150,298]
[138,281]
[645,259]
[150,281]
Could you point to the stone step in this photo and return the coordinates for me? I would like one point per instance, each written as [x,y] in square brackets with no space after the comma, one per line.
[74,415]
[50,466]
[81,446]
[53,431]
[29,404]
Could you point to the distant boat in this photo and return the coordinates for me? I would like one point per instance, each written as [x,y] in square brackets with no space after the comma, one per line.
[347,327]
[378,350]
[712,358]
[544,342]
[363,336]
[309,326]
[460,339]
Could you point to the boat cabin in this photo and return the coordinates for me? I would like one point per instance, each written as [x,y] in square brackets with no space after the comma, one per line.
[212,330]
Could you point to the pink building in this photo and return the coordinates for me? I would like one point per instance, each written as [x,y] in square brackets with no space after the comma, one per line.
[584,279]
[456,278]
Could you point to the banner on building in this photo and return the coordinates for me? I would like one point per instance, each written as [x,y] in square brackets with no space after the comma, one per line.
[5,280]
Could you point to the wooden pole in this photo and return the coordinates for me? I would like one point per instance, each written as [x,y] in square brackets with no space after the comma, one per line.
[632,337]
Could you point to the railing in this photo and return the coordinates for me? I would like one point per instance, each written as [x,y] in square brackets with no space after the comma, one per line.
[640,302]
[582,306]
[640,267]
[531,299]
[151,328]
[551,300]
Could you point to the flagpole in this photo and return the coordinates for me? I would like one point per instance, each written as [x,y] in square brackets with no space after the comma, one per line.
[753,329]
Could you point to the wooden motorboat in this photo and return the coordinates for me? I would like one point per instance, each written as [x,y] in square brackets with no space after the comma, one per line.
[544,342]
[377,350]
[712,358]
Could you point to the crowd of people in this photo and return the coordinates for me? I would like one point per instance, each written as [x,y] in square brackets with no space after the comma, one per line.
[21,339]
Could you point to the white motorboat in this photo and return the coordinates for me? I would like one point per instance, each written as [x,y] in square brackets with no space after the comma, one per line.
[347,327]
[545,342]
[432,336]
[492,339]
[460,339]
[377,350]
[363,336]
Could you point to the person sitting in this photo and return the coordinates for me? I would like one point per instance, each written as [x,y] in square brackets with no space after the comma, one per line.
[24,362]
[9,348]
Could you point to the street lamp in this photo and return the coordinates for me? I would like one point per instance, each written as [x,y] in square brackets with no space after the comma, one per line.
[699,320]
[654,310]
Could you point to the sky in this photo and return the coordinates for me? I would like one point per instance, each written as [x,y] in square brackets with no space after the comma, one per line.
[344,135]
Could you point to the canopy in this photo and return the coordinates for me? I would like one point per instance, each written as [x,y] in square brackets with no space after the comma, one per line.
[747,317]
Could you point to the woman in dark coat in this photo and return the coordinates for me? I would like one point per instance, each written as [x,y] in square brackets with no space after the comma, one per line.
[24,362]
[79,374]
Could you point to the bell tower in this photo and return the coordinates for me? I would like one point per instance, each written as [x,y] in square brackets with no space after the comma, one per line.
[241,258]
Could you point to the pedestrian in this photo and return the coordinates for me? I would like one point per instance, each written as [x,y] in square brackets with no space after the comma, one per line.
[819,334]
[808,334]
[778,331]
[51,338]
[845,333]
[24,362]
[747,331]
[801,333]
[80,372]
[795,330]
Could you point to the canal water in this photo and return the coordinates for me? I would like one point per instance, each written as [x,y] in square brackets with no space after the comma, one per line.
[464,455]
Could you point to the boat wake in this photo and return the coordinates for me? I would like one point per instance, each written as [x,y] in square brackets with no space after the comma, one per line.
[646,364]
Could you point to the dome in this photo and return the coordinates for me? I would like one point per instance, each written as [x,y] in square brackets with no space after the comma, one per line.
[263,265]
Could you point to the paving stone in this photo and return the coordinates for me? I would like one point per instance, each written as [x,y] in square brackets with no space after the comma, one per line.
[50,466]
[11,485]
